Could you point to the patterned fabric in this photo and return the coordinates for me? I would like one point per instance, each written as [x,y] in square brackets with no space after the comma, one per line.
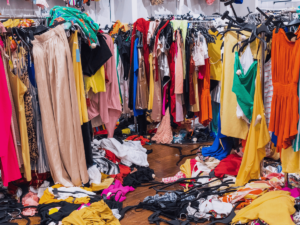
[168,180]
[32,140]
[156,2]
[89,27]
[268,91]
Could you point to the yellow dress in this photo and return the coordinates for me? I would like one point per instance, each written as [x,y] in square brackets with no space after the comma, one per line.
[196,106]
[73,43]
[275,207]
[18,91]
[214,53]
[257,139]
[96,82]
[231,125]
[151,84]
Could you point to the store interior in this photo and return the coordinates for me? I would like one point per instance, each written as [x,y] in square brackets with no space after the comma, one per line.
[149,112]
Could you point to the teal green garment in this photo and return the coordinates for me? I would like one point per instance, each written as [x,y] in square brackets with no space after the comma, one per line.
[89,27]
[215,113]
[244,86]
[121,99]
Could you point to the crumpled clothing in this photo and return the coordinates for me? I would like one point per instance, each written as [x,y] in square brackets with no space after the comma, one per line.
[48,197]
[103,164]
[142,175]
[94,174]
[106,181]
[30,199]
[118,191]
[75,192]
[131,152]
[211,207]
[178,175]
[228,166]
[167,197]
[275,207]
[97,213]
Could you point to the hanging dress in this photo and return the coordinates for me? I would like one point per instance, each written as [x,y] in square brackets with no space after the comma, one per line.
[9,164]
[244,87]
[285,75]
[257,139]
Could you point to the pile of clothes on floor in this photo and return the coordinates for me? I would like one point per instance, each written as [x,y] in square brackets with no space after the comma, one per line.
[119,168]
[209,192]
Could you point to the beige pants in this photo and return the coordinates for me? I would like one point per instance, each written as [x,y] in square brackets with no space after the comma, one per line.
[59,107]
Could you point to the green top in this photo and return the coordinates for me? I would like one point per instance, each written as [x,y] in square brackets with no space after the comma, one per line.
[89,27]
[244,86]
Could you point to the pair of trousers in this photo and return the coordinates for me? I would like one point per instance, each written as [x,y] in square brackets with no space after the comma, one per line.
[59,108]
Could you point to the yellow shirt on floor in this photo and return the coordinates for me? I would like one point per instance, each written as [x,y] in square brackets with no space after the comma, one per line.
[96,213]
[214,53]
[275,207]
[96,82]
[73,43]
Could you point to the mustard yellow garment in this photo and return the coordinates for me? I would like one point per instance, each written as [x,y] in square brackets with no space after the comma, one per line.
[73,43]
[96,82]
[151,84]
[275,207]
[214,53]
[18,90]
[96,213]
[231,125]
[11,23]
[290,160]
[49,198]
[195,107]
[257,139]
[106,181]
[187,170]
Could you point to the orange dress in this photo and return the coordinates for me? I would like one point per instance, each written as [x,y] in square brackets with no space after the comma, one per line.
[205,114]
[285,75]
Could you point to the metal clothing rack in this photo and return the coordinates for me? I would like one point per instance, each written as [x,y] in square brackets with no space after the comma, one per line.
[21,17]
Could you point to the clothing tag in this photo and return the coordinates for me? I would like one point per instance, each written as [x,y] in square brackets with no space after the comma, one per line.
[77,55]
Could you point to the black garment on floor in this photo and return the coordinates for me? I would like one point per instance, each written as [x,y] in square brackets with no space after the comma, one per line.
[86,129]
[65,210]
[142,124]
[124,51]
[93,59]
[142,175]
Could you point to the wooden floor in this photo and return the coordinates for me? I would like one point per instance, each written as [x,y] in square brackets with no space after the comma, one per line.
[163,162]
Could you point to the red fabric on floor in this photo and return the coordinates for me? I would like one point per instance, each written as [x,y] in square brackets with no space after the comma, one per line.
[230,166]
[111,156]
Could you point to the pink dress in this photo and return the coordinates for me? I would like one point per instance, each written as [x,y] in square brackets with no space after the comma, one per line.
[107,104]
[9,164]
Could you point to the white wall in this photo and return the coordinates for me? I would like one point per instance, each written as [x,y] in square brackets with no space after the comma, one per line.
[105,11]
[281,5]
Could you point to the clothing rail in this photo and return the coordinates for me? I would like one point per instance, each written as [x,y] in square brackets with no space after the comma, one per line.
[21,17]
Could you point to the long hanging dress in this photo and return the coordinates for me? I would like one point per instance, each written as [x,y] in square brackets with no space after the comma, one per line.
[59,107]
[9,163]
[257,139]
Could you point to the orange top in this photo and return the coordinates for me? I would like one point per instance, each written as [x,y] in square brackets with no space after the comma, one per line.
[285,75]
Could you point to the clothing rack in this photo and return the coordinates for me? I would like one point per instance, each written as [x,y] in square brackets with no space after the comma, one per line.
[21,17]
